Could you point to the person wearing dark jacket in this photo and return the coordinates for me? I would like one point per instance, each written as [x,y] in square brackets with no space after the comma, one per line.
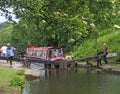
[99,58]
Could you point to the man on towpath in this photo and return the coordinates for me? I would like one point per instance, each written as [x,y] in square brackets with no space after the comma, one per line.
[10,53]
[105,53]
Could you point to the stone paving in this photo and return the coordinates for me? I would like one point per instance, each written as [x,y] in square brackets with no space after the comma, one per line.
[16,65]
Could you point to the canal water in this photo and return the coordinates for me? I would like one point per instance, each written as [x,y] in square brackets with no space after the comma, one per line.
[78,81]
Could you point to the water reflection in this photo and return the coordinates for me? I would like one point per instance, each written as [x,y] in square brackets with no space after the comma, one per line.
[80,81]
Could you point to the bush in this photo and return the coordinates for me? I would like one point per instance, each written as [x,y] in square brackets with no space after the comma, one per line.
[17,82]
[20,72]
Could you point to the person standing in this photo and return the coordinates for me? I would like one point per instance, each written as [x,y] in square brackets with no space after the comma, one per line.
[105,53]
[10,52]
[3,51]
[99,58]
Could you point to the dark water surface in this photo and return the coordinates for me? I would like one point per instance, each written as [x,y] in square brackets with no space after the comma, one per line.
[80,81]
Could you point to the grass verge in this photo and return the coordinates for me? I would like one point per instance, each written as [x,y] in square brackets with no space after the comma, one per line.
[6,74]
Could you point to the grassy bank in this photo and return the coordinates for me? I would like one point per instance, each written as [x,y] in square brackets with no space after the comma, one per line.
[90,46]
[6,74]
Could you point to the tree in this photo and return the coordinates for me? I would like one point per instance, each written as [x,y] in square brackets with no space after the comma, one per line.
[63,23]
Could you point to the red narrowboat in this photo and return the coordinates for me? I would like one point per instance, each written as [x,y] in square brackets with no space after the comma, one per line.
[45,53]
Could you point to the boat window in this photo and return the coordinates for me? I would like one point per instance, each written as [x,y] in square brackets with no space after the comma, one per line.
[50,54]
[34,53]
[38,53]
[41,51]
[44,53]
[55,53]
[58,52]
[29,52]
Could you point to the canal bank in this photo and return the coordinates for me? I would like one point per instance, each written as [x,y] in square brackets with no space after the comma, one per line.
[20,66]
[113,68]
[11,79]
[35,74]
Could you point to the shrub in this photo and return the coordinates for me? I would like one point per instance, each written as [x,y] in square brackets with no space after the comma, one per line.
[20,72]
[17,82]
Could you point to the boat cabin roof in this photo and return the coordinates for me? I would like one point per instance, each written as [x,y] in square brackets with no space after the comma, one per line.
[42,48]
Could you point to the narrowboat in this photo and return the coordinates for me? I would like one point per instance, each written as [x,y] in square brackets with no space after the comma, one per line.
[45,53]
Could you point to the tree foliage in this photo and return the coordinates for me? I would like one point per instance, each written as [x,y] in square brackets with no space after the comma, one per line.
[63,23]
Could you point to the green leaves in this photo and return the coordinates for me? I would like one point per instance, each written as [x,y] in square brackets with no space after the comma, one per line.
[17,81]
[63,23]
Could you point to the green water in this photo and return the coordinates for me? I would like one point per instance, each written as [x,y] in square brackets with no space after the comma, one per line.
[80,81]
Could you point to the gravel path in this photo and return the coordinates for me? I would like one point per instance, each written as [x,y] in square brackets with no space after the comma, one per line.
[16,65]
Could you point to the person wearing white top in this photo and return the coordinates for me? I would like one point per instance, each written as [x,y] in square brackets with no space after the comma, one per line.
[3,50]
